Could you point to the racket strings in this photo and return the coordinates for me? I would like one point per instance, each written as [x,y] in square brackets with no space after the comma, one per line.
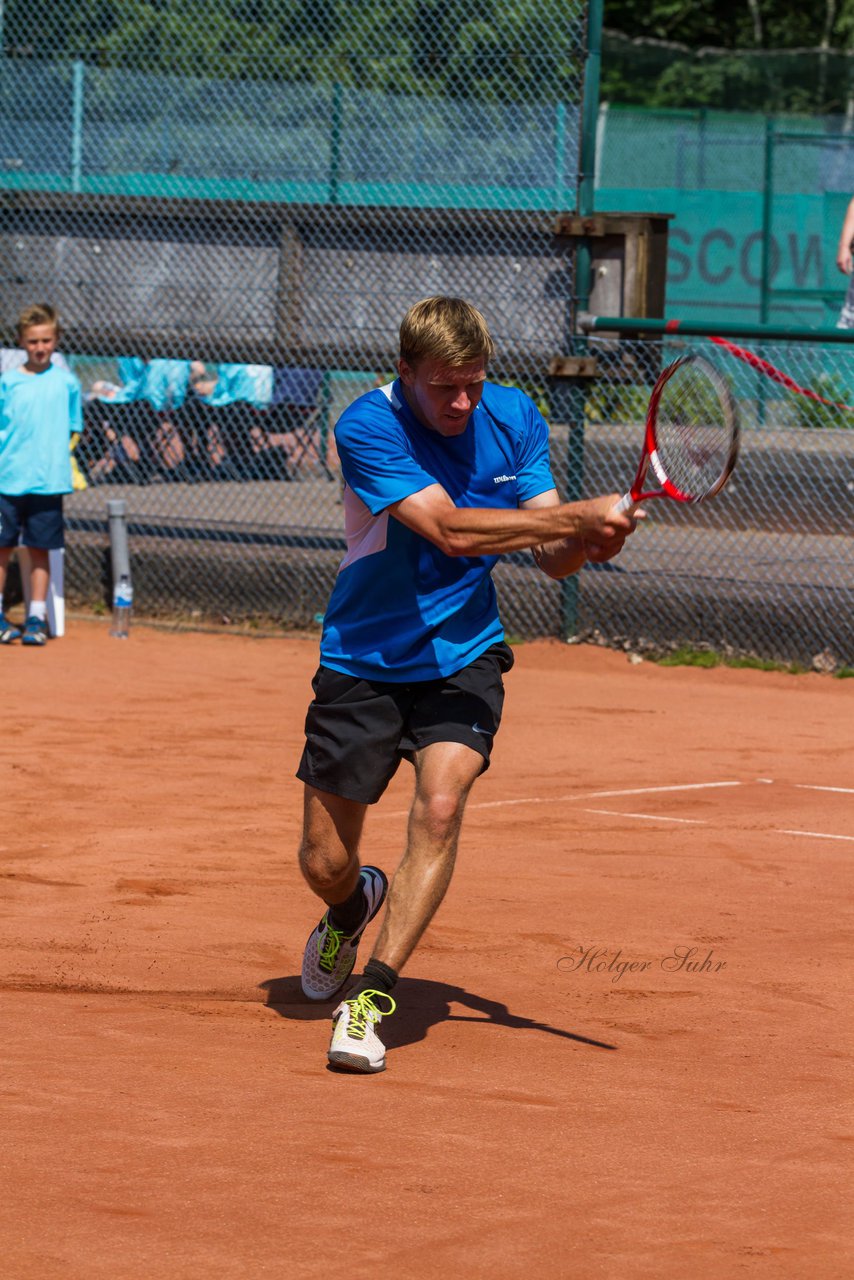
[693,434]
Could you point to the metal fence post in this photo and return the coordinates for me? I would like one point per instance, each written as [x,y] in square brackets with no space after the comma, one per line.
[325,415]
[765,270]
[569,396]
[335,141]
[118,526]
[560,153]
[77,125]
[568,402]
[767,219]
[120,559]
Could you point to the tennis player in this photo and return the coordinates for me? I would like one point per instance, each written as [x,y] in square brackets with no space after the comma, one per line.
[444,473]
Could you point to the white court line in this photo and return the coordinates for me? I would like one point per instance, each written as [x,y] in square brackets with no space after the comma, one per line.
[647,817]
[647,791]
[500,804]
[494,804]
[589,795]
[816,835]
[806,786]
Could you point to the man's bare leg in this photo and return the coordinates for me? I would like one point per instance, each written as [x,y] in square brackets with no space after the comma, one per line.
[329,852]
[329,860]
[444,774]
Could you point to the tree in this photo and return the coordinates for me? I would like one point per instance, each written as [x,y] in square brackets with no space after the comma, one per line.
[480,49]
[730,24]
[729,54]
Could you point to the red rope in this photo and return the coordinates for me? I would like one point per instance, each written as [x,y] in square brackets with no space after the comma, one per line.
[777,375]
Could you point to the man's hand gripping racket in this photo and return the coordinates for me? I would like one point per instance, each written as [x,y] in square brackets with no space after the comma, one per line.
[691,436]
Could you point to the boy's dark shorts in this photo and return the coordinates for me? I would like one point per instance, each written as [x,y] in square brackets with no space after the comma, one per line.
[358,731]
[36,516]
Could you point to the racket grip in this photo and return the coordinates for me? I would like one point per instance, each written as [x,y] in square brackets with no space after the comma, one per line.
[626,505]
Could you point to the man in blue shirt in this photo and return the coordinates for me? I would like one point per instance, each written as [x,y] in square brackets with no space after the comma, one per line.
[444,473]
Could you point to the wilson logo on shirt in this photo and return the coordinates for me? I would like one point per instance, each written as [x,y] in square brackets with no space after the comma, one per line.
[502,479]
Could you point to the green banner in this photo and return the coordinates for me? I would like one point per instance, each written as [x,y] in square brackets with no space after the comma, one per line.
[715,251]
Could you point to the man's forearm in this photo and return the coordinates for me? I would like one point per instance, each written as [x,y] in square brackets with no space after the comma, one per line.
[475,531]
[483,531]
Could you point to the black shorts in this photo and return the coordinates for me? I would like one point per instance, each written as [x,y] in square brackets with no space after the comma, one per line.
[35,519]
[358,731]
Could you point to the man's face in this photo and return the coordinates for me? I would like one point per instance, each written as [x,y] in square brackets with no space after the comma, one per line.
[443,397]
[39,342]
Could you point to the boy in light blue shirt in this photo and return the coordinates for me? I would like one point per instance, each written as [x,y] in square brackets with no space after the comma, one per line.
[40,410]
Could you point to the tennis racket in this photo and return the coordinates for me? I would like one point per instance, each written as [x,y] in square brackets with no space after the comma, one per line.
[691,435]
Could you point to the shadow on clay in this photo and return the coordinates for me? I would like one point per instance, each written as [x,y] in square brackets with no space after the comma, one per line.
[421,1004]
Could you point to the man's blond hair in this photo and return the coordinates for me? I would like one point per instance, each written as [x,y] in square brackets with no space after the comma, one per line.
[37,313]
[448,330]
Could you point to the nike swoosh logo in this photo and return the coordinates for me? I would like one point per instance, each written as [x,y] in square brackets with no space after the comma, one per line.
[486,732]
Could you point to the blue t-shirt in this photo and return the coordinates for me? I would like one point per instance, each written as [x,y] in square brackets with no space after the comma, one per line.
[129,388]
[242,384]
[165,383]
[401,609]
[39,412]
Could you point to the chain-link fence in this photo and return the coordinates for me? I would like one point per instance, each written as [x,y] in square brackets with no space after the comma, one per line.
[757,206]
[232,207]
[767,568]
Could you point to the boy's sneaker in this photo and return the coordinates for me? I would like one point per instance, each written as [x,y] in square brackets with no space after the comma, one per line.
[355,1044]
[330,954]
[8,631]
[35,631]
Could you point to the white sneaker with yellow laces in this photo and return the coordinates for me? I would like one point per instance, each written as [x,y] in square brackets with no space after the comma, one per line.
[355,1044]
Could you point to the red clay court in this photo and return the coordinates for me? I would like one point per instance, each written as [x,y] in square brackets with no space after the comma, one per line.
[571,1089]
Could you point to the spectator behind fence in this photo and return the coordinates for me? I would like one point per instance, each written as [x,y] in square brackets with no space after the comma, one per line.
[844,263]
[113,452]
[132,375]
[232,398]
[242,384]
[165,384]
[203,384]
[165,388]
[185,420]
[163,392]
[40,410]
[297,416]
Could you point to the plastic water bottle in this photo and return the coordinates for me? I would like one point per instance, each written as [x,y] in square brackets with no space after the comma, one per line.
[122,605]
